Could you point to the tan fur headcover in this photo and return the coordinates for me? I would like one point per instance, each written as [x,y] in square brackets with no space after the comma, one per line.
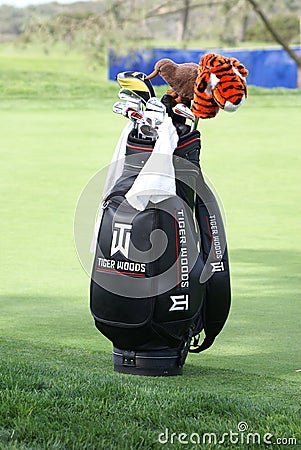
[180,77]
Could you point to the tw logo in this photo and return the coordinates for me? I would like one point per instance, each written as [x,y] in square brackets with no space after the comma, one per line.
[217,267]
[179,302]
[121,239]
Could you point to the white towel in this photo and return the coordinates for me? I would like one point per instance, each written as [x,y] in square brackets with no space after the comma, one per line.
[117,162]
[114,172]
[156,180]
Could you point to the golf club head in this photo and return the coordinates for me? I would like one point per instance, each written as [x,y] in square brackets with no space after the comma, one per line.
[135,116]
[133,105]
[148,131]
[119,108]
[128,95]
[157,110]
[154,118]
[182,110]
[135,81]
[124,109]
[154,104]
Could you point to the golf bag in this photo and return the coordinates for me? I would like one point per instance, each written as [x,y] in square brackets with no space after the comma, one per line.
[160,276]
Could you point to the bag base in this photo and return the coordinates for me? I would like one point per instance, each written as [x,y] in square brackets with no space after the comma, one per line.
[159,363]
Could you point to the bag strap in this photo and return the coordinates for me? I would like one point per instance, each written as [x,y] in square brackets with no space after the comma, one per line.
[216,273]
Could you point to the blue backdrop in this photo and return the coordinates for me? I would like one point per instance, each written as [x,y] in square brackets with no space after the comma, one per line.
[267,67]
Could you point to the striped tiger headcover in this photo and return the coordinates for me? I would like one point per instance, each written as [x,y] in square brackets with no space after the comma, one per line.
[220,83]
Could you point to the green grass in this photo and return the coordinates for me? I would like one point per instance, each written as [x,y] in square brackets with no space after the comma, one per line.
[57,386]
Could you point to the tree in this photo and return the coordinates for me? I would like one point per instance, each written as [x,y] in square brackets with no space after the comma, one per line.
[287,26]
[186,8]
[114,25]
[183,14]
[277,37]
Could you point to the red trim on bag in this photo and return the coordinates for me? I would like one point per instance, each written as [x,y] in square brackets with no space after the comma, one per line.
[209,229]
[132,273]
[139,148]
[187,143]
[100,269]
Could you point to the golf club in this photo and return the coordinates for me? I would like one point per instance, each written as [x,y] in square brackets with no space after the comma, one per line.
[156,111]
[123,108]
[154,104]
[148,131]
[183,111]
[119,108]
[127,94]
[154,118]
[194,124]
[135,116]
[136,81]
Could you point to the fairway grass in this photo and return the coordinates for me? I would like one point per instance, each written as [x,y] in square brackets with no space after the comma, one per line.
[57,385]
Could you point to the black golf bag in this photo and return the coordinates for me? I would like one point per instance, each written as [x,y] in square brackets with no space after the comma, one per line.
[160,276]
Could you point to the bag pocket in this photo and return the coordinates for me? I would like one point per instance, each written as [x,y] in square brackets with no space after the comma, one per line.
[120,281]
[117,310]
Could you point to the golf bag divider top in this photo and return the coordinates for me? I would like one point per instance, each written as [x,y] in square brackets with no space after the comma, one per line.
[146,295]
